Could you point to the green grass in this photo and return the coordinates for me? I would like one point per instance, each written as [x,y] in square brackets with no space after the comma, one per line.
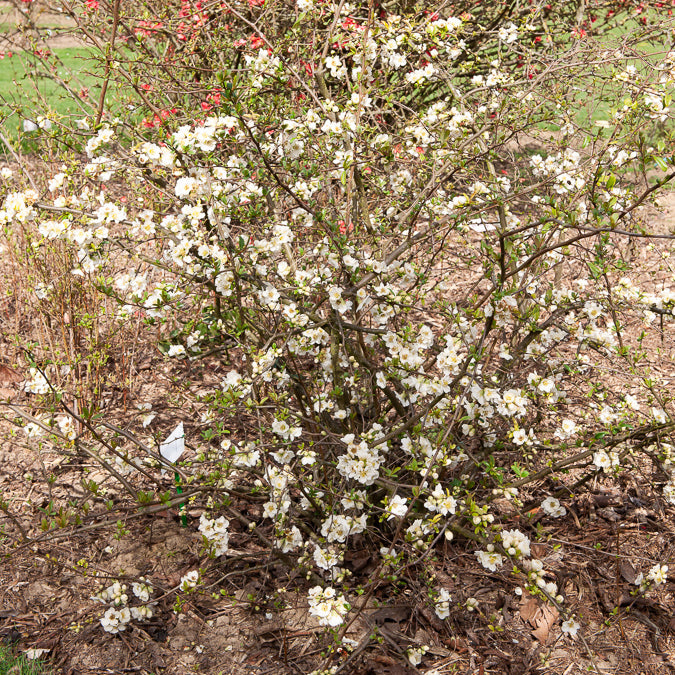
[604,92]
[19,665]
[29,88]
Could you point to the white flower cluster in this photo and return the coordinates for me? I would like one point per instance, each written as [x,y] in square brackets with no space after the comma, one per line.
[669,489]
[142,590]
[567,429]
[115,620]
[442,604]
[657,576]
[536,575]
[18,206]
[329,607]
[283,429]
[508,33]
[189,581]
[489,559]
[338,527]
[515,543]
[360,462]
[41,122]
[396,507]
[216,532]
[33,430]
[428,457]
[570,627]
[115,594]
[656,106]
[37,384]
[287,538]
[441,501]
[415,654]
[119,614]
[189,139]
[263,67]
[564,168]
[103,137]
[606,461]
[495,77]
[552,507]
[327,559]
[243,456]
[67,427]
[487,402]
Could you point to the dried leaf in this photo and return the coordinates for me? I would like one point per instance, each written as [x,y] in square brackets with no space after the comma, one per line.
[627,571]
[539,550]
[528,608]
[545,619]
[541,617]
[9,376]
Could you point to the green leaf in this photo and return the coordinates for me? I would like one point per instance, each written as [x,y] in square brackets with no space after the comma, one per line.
[596,271]
[661,163]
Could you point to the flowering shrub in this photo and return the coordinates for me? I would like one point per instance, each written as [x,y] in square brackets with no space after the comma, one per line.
[411,306]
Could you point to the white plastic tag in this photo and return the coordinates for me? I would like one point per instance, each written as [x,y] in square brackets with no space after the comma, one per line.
[174,446]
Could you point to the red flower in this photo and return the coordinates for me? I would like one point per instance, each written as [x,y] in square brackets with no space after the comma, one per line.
[350,24]
[146,28]
[343,229]
[157,120]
